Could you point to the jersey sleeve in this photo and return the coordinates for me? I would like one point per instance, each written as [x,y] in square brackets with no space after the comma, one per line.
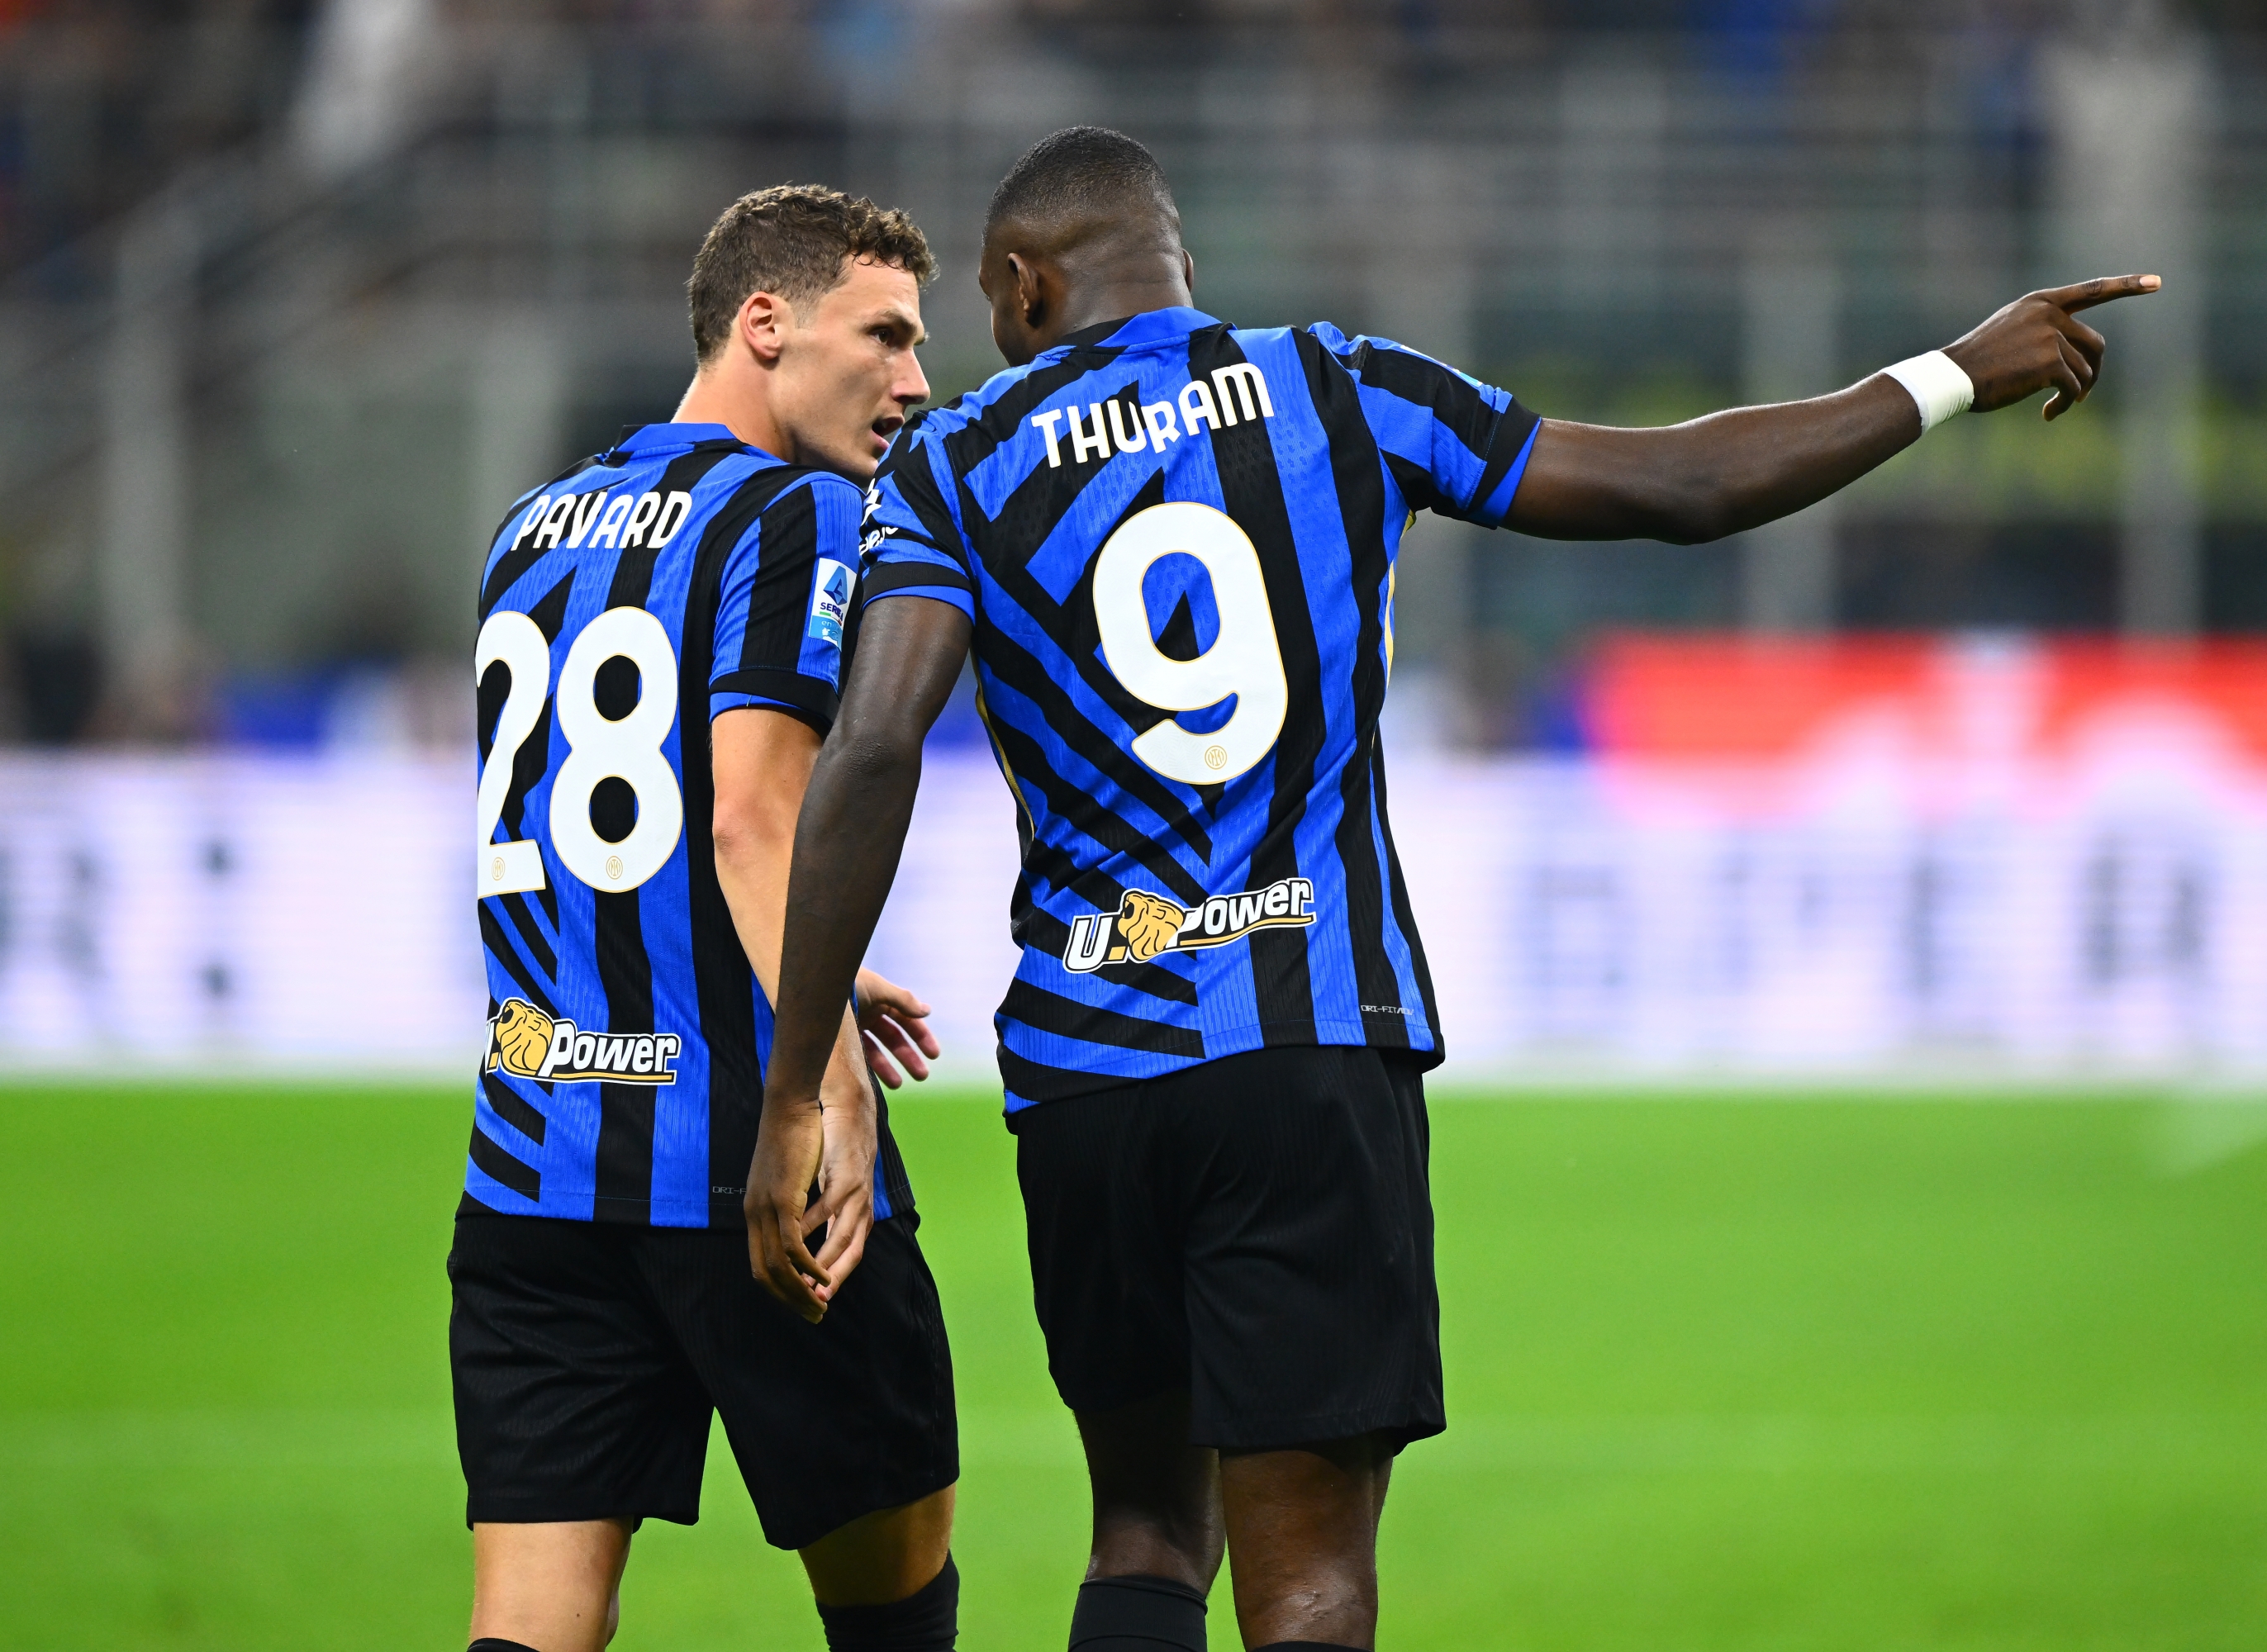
[1457,447]
[784,601]
[914,545]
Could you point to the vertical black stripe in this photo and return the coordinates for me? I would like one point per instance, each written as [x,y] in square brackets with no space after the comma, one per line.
[626,1111]
[1251,487]
[786,535]
[1358,475]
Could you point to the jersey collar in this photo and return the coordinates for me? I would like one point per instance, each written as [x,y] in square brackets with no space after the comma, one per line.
[644,441]
[1151,326]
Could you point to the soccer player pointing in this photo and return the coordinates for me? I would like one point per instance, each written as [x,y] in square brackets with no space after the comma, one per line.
[1170,542]
[661,633]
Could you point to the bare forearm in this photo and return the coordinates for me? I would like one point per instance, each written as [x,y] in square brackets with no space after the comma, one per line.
[753,876]
[847,845]
[855,815]
[752,868]
[1733,471]
[1698,481]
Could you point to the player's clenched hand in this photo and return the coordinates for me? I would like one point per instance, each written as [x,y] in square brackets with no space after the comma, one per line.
[894,1023]
[791,1142]
[2037,343]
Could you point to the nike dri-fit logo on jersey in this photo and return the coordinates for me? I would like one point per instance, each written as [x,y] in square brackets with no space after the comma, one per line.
[1241,387]
[525,1041]
[1146,923]
[830,602]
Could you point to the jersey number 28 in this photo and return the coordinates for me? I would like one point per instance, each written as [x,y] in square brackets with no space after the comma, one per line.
[598,747]
[1245,660]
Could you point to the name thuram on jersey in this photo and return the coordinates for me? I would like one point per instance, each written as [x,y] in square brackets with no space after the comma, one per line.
[1151,425]
[1147,924]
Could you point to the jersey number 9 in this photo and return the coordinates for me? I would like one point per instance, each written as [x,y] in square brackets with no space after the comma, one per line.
[1244,660]
[598,747]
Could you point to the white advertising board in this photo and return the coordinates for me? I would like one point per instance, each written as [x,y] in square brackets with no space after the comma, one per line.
[1867,909]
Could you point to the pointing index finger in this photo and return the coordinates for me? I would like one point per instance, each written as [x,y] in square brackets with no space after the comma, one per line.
[2100,290]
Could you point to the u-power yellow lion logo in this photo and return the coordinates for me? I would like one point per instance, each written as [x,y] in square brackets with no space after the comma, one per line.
[522,1039]
[1147,924]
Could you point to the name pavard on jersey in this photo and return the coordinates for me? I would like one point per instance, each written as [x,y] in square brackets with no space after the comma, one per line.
[677,576]
[1176,538]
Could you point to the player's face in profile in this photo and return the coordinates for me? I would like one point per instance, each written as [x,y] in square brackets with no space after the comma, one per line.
[849,374]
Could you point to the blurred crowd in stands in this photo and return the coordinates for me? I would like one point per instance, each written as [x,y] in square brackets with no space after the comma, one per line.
[101,100]
[104,102]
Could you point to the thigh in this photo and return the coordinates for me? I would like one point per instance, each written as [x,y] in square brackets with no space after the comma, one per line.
[1105,1222]
[573,1401]
[829,1423]
[556,1585]
[1313,1314]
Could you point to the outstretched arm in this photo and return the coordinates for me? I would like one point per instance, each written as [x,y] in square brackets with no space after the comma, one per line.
[1733,471]
[847,841]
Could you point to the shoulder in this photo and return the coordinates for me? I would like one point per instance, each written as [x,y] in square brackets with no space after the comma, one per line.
[1400,370]
[792,510]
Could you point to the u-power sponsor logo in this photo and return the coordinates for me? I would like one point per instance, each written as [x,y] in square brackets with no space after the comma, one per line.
[1147,924]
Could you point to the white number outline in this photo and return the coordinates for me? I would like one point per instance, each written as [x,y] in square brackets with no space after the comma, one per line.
[598,747]
[515,867]
[1245,659]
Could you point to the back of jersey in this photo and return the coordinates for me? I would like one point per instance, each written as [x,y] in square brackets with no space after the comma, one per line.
[1176,540]
[681,574]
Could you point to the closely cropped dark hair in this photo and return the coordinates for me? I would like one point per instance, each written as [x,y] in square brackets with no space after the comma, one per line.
[1081,172]
[796,240]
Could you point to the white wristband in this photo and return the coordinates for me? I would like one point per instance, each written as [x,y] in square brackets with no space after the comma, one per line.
[1937,386]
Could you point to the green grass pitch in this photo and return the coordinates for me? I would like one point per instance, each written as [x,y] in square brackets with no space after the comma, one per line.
[1871,1374]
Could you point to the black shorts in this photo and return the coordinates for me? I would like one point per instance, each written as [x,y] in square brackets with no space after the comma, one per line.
[1256,1231]
[586,1357]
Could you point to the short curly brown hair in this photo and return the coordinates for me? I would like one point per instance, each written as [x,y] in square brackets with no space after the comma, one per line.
[796,240]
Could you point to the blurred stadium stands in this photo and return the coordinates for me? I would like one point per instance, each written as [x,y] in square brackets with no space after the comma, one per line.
[294,299]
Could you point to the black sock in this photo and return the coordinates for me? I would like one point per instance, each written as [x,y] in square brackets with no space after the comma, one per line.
[492,1643]
[1137,1614]
[927,1620]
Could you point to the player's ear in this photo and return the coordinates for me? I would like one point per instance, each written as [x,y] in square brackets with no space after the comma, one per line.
[761,325]
[1030,302]
[1189,271]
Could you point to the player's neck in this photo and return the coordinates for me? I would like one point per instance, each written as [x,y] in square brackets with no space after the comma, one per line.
[1085,305]
[738,401]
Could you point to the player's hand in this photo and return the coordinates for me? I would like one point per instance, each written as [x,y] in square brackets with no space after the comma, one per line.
[846,1176]
[790,1145]
[2037,343]
[893,1022]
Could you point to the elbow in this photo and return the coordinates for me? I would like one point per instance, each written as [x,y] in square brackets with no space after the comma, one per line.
[744,828]
[867,760]
[1698,510]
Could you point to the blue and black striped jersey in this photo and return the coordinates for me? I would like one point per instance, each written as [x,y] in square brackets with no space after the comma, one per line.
[627,1034]
[1176,540]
